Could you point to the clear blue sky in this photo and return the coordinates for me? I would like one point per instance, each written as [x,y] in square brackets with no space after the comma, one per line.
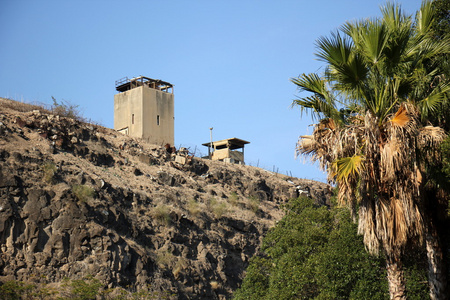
[230,62]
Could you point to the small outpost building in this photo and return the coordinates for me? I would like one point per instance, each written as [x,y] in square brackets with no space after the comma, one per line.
[144,108]
[227,150]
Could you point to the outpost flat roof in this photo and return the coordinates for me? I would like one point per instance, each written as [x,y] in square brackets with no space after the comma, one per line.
[232,144]
[124,84]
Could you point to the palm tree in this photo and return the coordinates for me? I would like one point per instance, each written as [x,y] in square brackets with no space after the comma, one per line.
[372,105]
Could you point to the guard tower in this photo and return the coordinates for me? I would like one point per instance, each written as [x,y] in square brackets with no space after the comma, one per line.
[144,108]
[226,150]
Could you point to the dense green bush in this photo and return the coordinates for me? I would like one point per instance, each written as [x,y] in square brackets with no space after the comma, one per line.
[13,290]
[315,253]
[86,289]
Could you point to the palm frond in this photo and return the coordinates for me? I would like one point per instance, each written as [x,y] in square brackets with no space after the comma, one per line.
[400,118]
[425,18]
[430,137]
[350,76]
[347,167]
[383,96]
[374,37]
[391,159]
[334,50]
[367,227]
[431,104]
[321,103]
[425,47]
[311,83]
[394,18]
[306,145]
[399,32]
[346,68]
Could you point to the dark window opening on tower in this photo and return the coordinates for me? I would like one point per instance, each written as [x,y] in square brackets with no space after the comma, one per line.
[132,119]
[157,120]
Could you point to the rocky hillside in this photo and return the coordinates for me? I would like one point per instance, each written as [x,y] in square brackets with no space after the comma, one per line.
[78,199]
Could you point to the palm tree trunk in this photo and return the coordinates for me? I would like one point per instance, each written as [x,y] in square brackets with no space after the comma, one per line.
[437,278]
[396,279]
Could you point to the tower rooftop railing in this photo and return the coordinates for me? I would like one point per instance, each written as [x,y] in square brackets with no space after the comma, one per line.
[124,84]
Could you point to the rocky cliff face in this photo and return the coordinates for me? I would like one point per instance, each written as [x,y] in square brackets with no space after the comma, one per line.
[78,199]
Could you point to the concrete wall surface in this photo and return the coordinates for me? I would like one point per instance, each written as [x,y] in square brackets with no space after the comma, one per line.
[158,111]
[147,113]
[227,153]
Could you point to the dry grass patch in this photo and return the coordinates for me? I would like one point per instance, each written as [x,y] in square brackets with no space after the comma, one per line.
[233,199]
[193,207]
[83,192]
[49,168]
[22,107]
[218,208]
[182,263]
[164,258]
[253,203]
[161,213]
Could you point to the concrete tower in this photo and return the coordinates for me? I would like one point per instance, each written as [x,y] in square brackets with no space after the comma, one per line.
[144,108]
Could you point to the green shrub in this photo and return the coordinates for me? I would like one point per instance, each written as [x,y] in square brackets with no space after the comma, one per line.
[49,168]
[314,253]
[86,289]
[83,192]
[257,280]
[119,293]
[11,290]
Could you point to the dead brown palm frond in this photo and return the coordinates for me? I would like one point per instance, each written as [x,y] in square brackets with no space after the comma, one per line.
[367,226]
[321,145]
[428,140]
[396,222]
[403,124]
[372,133]
[346,194]
[326,124]
[400,118]
[408,194]
[388,160]
[430,136]
[306,145]
[382,215]
[398,227]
